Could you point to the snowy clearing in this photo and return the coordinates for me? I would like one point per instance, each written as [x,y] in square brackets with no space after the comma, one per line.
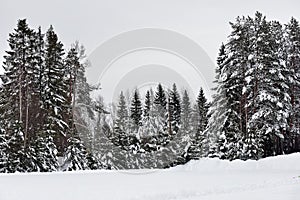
[271,178]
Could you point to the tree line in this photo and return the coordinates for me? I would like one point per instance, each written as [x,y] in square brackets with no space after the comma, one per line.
[152,124]
[49,122]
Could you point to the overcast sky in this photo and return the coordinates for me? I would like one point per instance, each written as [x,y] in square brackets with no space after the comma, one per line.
[93,22]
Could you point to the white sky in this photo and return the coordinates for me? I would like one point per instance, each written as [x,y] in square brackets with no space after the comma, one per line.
[93,22]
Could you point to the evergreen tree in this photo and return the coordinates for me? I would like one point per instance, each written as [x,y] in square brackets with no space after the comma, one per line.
[250,109]
[148,130]
[160,109]
[71,66]
[54,91]
[186,122]
[3,152]
[202,108]
[218,112]
[75,157]
[19,66]
[45,153]
[175,109]
[226,122]
[292,139]
[20,158]
[198,146]
[136,111]
[267,89]
[147,105]
[121,122]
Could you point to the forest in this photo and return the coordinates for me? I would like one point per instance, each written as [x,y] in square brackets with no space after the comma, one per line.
[50,122]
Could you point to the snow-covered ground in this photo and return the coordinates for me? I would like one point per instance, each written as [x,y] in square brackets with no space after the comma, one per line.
[271,178]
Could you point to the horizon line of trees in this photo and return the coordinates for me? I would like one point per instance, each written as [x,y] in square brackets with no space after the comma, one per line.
[47,114]
[147,126]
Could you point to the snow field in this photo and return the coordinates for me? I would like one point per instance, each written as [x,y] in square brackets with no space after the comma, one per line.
[207,179]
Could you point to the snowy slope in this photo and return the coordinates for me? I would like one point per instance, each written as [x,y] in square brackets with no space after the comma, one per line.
[272,178]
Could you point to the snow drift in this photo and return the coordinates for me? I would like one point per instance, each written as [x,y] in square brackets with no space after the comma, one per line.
[271,178]
[282,162]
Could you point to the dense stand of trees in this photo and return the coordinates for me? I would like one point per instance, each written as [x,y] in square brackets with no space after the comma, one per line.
[156,123]
[256,106]
[37,101]
[49,122]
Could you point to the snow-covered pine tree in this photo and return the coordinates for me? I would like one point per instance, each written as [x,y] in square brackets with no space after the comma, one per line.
[83,109]
[71,65]
[292,34]
[19,102]
[267,96]
[175,109]
[136,112]
[202,108]
[225,124]
[218,114]
[82,88]
[37,113]
[198,145]
[54,91]
[233,78]
[147,105]
[19,66]
[20,159]
[3,152]
[121,124]
[160,109]
[75,156]
[148,123]
[122,115]
[186,112]
[186,122]
[45,153]
[251,100]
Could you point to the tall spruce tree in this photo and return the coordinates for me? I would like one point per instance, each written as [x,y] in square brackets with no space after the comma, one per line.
[227,123]
[19,92]
[71,66]
[198,145]
[160,109]
[202,108]
[54,91]
[136,111]
[186,122]
[218,112]
[18,79]
[175,109]
[292,139]
[121,122]
[266,91]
